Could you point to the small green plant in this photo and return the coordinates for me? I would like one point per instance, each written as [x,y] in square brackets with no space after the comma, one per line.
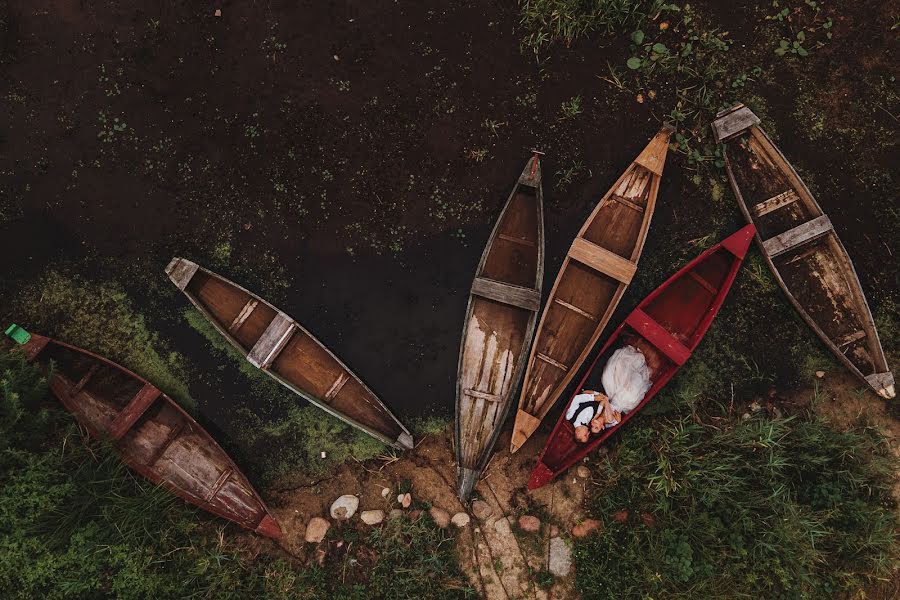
[570,109]
[493,126]
[568,175]
[477,154]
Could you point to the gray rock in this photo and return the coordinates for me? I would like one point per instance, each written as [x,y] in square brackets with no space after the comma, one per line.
[316,530]
[344,507]
[482,510]
[372,517]
[460,519]
[560,562]
[441,517]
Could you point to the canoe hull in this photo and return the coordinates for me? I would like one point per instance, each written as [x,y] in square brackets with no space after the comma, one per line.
[499,325]
[667,327]
[802,249]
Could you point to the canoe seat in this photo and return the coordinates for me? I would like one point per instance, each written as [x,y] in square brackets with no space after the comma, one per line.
[170,439]
[85,378]
[774,203]
[506,293]
[575,309]
[482,395]
[243,315]
[220,482]
[602,260]
[626,202]
[659,336]
[799,235]
[848,339]
[516,240]
[133,411]
[272,341]
[551,361]
[336,387]
[703,282]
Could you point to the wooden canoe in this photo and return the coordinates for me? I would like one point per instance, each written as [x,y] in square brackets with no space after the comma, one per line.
[594,275]
[666,327]
[286,352]
[801,247]
[499,325]
[153,435]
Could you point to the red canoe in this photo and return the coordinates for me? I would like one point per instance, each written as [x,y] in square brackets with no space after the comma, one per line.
[151,433]
[666,326]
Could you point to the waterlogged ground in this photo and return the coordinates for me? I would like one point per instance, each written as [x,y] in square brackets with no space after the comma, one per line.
[347,160]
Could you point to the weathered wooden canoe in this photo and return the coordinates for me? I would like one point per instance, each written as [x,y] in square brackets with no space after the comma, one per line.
[800,245]
[151,433]
[287,352]
[597,269]
[500,319]
[666,327]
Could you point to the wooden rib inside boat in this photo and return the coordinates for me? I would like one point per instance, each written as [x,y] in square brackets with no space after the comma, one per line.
[666,327]
[595,273]
[803,250]
[151,433]
[287,352]
[499,325]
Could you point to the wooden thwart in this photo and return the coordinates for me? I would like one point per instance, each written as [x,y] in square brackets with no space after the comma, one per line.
[271,342]
[549,360]
[706,285]
[516,240]
[133,411]
[850,338]
[243,315]
[774,203]
[797,236]
[506,293]
[626,202]
[482,395]
[170,439]
[85,378]
[602,260]
[215,489]
[336,387]
[659,336]
[575,309]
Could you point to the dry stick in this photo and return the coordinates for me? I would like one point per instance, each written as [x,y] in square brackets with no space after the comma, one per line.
[516,539]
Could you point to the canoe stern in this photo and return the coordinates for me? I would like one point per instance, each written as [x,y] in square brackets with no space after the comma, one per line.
[733,121]
[269,527]
[739,242]
[540,476]
[465,482]
[405,440]
[180,271]
[525,425]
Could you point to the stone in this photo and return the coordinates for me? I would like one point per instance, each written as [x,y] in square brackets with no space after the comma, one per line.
[441,517]
[404,499]
[501,526]
[344,507]
[583,472]
[460,520]
[820,374]
[560,561]
[554,531]
[385,492]
[395,513]
[482,510]
[648,519]
[529,523]
[372,517]
[316,530]
[218,12]
[621,516]
[586,527]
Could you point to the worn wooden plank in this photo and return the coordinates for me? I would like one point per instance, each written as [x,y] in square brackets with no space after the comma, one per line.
[733,121]
[506,293]
[85,378]
[243,315]
[549,360]
[774,203]
[800,234]
[703,282]
[133,411]
[271,341]
[575,309]
[880,381]
[170,439]
[602,260]
[181,271]
[850,338]
[626,202]
[483,395]
[516,240]
[336,387]
[217,487]
[659,336]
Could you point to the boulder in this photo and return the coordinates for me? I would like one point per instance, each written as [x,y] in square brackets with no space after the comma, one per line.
[344,507]
[586,527]
[529,523]
[560,561]
[316,530]
[372,517]
[441,517]
[482,510]
[460,519]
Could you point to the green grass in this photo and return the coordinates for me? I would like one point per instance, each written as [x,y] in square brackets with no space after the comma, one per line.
[746,509]
[100,317]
